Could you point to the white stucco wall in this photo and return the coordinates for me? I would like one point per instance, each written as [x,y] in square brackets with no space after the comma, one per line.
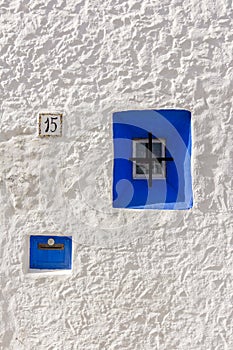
[141,279]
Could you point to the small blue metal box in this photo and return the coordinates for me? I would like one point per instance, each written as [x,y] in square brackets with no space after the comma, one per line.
[50,252]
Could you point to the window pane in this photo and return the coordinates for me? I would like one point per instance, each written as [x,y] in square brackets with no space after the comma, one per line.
[142,169]
[157,168]
[140,150]
[157,149]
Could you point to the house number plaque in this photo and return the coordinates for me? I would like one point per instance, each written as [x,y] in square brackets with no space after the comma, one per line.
[50,124]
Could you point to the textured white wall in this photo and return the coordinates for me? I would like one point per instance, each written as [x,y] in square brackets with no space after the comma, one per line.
[141,279]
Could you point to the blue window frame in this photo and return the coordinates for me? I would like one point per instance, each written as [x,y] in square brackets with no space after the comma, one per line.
[165,138]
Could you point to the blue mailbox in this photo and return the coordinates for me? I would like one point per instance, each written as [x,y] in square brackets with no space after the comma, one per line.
[50,252]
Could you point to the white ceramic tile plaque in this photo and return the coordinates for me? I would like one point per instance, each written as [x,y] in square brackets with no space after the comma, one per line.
[50,124]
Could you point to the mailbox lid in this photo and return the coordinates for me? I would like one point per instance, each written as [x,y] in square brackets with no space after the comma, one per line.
[43,256]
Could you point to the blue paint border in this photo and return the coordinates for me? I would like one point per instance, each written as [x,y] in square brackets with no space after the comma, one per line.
[173,193]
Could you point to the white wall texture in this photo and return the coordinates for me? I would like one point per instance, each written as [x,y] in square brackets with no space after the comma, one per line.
[141,279]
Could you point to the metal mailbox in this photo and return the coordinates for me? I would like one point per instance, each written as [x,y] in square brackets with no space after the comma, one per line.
[50,252]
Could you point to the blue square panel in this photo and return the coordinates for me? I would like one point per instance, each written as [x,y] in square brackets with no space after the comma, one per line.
[50,252]
[152,159]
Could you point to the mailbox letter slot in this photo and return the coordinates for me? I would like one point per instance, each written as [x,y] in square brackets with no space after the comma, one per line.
[49,247]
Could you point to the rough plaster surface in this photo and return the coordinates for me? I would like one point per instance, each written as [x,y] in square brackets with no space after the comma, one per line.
[148,280]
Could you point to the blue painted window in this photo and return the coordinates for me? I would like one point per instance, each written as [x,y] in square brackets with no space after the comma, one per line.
[161,138]
[50,252]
